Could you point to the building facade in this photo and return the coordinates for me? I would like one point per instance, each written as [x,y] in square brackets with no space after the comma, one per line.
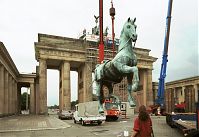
[180,91]
[11,82]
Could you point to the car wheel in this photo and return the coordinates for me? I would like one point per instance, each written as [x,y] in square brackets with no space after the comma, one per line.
[83,123]
[99,123]
[75,121]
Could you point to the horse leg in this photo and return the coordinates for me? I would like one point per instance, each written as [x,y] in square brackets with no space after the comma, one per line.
[100,96]
[110,88]
[132,84]
[131,99]
[135,79]
[134,87]
[127,69]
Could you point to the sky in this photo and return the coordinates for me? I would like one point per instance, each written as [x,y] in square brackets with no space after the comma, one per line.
[22,20]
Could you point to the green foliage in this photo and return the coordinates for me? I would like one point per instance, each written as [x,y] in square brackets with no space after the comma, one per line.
[54,107]
[73,103]
[23,101]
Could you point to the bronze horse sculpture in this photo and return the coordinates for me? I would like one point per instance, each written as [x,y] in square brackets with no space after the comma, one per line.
[124,64]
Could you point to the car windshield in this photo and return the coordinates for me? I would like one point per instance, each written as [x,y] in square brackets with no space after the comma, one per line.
[66,112]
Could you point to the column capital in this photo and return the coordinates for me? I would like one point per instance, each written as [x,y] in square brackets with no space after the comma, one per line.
[196,85]
[41,59]
[183,87]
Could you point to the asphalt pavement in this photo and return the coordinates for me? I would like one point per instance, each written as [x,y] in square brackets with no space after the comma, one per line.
[51,126]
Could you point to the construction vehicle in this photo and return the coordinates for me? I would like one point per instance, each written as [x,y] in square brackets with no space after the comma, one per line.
[187,123]
[87,113]
[112,109]
[159,107]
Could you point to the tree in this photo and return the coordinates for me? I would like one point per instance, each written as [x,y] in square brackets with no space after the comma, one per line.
[23,101]
[73,103]
[56,106]
[53,107]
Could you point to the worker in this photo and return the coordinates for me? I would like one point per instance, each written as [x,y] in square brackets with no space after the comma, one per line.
[142,124]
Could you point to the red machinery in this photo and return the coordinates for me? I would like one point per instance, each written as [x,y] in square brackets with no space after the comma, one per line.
[101,42]
[112,109]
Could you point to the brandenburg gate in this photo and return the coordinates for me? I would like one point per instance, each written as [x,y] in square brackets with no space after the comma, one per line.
[65,55]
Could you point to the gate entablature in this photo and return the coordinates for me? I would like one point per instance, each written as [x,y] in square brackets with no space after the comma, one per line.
[55,49]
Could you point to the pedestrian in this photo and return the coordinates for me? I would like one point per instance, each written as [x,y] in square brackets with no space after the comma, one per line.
[142,124]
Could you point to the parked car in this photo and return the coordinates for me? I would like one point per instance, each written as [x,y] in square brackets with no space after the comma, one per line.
[65,114]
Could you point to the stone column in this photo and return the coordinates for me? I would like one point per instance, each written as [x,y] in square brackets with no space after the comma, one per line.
[32,98]
[6,92]
[80,85]
[175,95]
[196,92]
[172,99]
[87,85]
[144,87]
[16,101]
[183,93]
[13,97]
[186,97]
[27,107]
[66,86]
[60,89]
[42,87]
[84,83]
[149,87]
[10,94]
[37,90]
[2,90]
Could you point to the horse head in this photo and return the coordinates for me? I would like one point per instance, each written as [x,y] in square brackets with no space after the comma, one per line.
[129,29]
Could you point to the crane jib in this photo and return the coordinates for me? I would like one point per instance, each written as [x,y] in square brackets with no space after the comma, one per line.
[161,84]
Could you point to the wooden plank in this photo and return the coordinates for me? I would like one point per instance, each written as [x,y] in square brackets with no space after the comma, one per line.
[186,124]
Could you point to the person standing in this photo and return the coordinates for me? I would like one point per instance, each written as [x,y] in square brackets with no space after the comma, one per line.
[142,124]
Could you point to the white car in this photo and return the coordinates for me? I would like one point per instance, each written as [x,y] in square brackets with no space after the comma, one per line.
[87,113]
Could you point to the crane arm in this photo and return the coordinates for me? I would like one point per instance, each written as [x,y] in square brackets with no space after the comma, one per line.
[161,85]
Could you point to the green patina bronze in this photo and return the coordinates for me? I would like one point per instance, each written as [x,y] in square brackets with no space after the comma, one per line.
[124,64]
